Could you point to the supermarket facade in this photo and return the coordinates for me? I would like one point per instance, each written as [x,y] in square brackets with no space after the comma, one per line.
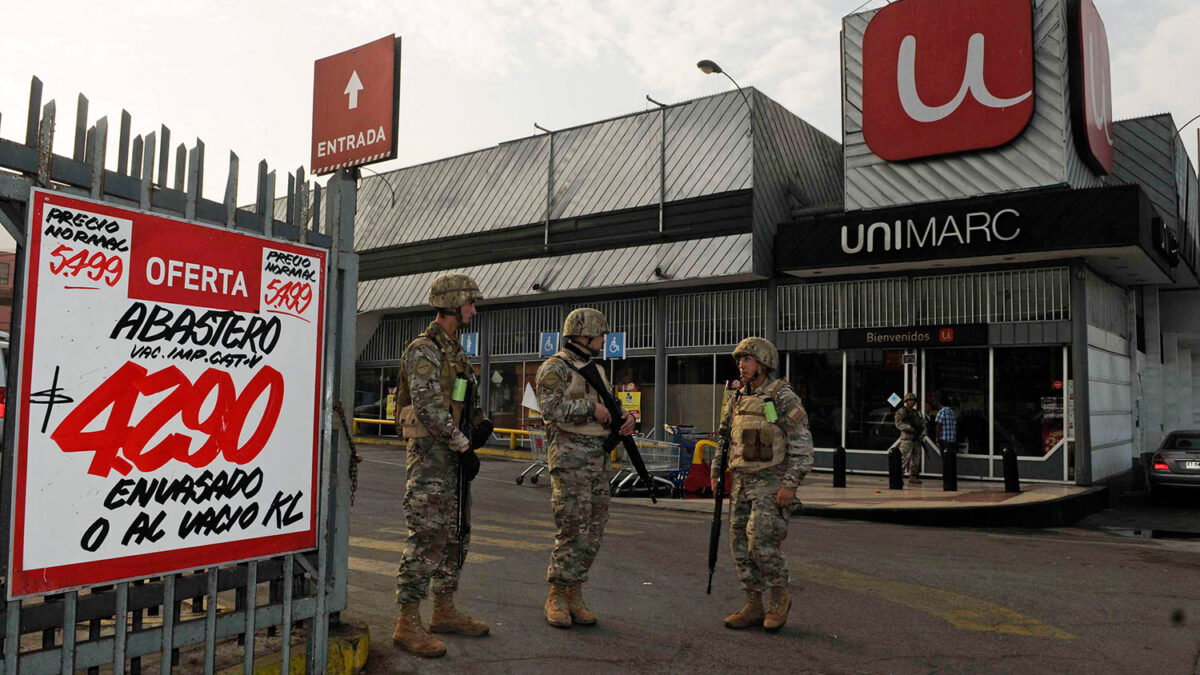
[1010,249]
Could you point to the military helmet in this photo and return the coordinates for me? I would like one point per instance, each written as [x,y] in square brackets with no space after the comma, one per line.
[585,322]
[451,291]
[910,397]
[761,349]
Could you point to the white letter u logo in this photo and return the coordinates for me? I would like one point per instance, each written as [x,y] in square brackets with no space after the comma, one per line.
[906,81]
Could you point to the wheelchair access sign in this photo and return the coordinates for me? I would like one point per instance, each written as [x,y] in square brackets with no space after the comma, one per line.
[614,346]
[548,344]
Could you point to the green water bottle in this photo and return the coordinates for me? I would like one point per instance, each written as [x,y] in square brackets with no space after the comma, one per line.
[460,390]
[769,410]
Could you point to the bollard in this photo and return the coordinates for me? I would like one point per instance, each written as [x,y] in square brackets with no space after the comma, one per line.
[839,467]
[1012,481]
[949,468]
[895,470]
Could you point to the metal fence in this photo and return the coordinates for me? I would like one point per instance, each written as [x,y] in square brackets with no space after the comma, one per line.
[715,318]
[392,336]
[633,316]
[984,297]
[110,625]
[1107,305]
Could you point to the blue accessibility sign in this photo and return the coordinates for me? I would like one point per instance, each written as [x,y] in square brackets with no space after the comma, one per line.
[470,344]
[614,346]
[549,344]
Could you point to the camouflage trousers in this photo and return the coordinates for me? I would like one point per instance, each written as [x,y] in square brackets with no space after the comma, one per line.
[757,529]
[910,455]
[579,498]
[430,510]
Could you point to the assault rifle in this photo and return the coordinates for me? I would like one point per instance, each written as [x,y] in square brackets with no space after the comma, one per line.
[477,429]
[591,375]
[719,490]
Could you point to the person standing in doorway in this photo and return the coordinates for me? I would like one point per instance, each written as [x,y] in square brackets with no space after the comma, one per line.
[947,427]
[911,424]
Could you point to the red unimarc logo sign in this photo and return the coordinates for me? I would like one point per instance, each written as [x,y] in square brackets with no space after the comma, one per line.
[1091,86]
[946,77]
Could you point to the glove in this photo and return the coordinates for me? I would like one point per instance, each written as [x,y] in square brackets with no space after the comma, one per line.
[469,462]
[482,433]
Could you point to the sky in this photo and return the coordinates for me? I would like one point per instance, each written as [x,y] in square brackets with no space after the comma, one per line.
[474,73]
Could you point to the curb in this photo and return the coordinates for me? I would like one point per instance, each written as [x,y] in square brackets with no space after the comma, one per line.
[349,645]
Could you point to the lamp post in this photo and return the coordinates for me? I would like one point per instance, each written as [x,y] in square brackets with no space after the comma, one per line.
[709,67]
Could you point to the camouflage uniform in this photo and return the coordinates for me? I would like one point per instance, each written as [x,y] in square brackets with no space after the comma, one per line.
[430,366]
[578,464]
[764,456]
[757,527]
[911,423]
[432,361]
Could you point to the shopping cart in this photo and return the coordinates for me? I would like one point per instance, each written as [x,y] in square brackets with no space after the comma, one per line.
[537,450]
[662,462]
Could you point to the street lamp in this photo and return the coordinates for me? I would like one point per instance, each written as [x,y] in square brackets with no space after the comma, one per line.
[709,67]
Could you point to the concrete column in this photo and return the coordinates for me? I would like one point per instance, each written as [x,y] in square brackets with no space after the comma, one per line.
[660,365]
[1183,405]
[1170,382]
[1152,373]
[481,324]
[772,318]
[1135,385]
[1079,374]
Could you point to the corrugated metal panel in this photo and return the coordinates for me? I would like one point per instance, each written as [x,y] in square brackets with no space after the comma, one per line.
[710,258]
[517,331]
[600,167]
[715,318]
[392,336]
[868,303]
[1038,158]
[633,316]
[795,165]
[993,297]
[1107,305]
[1141,155]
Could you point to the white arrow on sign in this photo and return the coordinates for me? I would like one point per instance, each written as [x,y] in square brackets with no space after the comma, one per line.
[354,86]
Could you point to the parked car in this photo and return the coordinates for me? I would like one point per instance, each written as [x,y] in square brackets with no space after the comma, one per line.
[1175,464]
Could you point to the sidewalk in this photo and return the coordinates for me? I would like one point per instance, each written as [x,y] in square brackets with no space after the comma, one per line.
[974,504]
[867,497]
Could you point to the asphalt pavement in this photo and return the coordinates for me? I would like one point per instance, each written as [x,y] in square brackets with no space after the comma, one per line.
[868,597]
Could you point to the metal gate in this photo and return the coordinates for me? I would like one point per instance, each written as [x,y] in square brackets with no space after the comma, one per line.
[127,623]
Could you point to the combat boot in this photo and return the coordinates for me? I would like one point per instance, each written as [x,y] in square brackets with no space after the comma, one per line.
[580,613]
[914,480]
[557,612]
[748,616]
[777,610]
[410,633]
[447,619]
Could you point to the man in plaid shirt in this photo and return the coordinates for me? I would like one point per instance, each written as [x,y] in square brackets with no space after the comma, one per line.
[947,426]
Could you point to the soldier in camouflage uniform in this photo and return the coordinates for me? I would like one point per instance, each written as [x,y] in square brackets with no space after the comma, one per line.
[576,426]
[911,424]
[436,445]
[769,454]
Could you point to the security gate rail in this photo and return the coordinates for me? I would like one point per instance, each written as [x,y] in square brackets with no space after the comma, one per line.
[307,587]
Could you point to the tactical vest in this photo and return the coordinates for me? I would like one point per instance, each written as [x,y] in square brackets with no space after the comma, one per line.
[454,365]
[914,419]
[756,443]
[579,389]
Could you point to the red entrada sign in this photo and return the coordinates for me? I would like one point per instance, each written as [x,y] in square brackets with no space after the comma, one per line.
[945,77]
[355,106]
[1091,90]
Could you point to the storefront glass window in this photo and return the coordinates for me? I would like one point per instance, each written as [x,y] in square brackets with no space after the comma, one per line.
[690,392]
[817,378]
[634,381]
[1029,389]
[368,398]
[504,395]
[872,376]
[960,375]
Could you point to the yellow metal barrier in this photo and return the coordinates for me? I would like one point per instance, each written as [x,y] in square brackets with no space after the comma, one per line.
[513,434]
[698,457]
